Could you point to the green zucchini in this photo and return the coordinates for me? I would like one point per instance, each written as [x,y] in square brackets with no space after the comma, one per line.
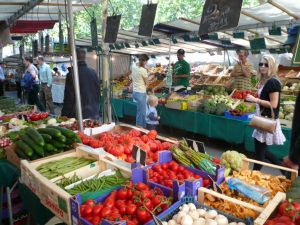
[37,149]
[38,139]
[50,131]
[58,145]
[25,148]
[62,139]
[66,132]
[49,148]
[21,154]
[47,137]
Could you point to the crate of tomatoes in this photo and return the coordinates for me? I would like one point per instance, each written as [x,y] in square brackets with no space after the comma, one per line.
[243,94]
[131,204]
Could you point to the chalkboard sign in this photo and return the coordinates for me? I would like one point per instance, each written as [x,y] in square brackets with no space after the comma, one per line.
[139,155]
[94,34]
[239,35]
[196,145]
[275,31]
[147,20]
[296,57]
[112,28]
[258,43]
[220,15]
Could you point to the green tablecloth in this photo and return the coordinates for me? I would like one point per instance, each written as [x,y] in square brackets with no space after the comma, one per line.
[9,173]
[219,127]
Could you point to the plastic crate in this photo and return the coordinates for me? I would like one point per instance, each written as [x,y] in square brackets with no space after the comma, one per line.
[174,209]
[244,117]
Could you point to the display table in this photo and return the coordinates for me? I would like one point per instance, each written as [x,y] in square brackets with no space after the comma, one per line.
[212,126]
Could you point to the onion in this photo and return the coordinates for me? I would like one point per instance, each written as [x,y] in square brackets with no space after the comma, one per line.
[200,221]
[194,214]
[233,223]
[211,214]
[210,222]
[186,220]
[191,206]
[172,222]
[179,216]
[201,212]
[241,223]
[221,220]
[185,208]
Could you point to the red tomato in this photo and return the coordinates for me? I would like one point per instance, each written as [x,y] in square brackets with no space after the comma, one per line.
[88,210]
[119,203]
[166,145]
[169,183]
[206,182]
[105,212]
[143,215]
[152,134]
[146,194]
[156,200]
[129,193]
[148,204]
[145,138]
[164,166]
[82,207]
[122,194]
[97,209]
[96,220]
[109,203]
[131,209]
[89,218]
[175,167]
[141,186]
[89,202]
[122,209]
[157,168]
[180,168]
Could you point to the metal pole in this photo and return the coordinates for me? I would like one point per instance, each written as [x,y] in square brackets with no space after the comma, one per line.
[75,68]
[107,116]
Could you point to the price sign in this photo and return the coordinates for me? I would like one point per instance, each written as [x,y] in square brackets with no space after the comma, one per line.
[196,145]
[139,155]
[215,186]
[296,57]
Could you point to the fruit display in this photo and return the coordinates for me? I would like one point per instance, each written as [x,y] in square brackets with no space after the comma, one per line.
[121,144]
[197,80]
[103,181]
[214,90]
[289,74]
[232,161]
[243,94]
[57,168]
[73,124]
[189,214]
[132,203]
[288,212]
[286,112]
[165,173]
[217,104]
[33,144]
[186,156]
[291,87]
[242,109]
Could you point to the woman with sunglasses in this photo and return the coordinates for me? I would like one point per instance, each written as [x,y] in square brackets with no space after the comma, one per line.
[269,89]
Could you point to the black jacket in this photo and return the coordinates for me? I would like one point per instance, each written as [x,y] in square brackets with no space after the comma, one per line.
[89,93]
[295,141]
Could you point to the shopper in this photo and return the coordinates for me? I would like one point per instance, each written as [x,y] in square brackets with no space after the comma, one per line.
[2,79]
[30,83]
[56,72]
[152,118]
[269,96]
[242,72]
[293,159]
[140,83]
[45,76]
[89,90]
[18,78]
[181,70]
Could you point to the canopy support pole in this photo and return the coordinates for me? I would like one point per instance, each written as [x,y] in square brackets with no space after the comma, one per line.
[107,115]
[75,67]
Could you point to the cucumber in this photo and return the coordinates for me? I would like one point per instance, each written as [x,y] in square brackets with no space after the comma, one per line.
[47,137]
[77,139]
[58,145]
[66,132]
[37,149]
[35,136]
[49,148]
[50,131]
[25,148]
[62,139]
[21,154]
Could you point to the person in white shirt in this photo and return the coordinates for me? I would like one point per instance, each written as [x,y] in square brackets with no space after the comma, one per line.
[140,83]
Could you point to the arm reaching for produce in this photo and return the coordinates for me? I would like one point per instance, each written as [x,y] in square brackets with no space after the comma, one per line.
[274,98]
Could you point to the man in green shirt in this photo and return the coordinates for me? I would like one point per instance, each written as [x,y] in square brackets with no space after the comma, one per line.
[181,70]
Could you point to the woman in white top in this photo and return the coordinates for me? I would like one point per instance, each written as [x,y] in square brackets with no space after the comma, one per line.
[34,88]
[140,82]
[269,96]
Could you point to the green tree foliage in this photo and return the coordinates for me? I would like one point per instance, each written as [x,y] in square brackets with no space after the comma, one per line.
[168,10]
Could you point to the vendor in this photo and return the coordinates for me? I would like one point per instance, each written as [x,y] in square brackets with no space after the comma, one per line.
[242,72]
[181,70]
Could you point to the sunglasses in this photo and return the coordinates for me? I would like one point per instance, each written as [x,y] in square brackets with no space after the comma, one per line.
[263,64]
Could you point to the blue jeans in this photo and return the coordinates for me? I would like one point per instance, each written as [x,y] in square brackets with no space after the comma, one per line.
[141,104]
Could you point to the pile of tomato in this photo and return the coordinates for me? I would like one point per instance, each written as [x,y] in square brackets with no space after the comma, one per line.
[288,214]
[121,144]
[131,203]
[243,94]
[165,173]
[38,116]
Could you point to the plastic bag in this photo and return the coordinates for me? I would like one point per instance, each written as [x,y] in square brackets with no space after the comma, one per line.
[254,192]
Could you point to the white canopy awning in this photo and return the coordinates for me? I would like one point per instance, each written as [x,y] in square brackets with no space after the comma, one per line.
[256,20]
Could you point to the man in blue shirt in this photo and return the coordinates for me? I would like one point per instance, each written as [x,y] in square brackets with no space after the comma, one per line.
[2,78]
[45,75]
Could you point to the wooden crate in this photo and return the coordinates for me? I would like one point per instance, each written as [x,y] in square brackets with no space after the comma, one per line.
[51,195]
[247,161]
[263,213]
